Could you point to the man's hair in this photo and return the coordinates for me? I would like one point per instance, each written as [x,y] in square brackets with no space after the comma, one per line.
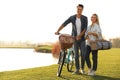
[80,5]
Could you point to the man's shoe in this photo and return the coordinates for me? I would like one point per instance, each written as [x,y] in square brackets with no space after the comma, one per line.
[82,71]
[76,72]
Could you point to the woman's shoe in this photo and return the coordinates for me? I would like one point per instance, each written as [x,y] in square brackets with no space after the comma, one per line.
[91,73]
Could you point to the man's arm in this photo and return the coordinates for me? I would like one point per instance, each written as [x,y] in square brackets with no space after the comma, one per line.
[63,25]
[59,29]
[81,34]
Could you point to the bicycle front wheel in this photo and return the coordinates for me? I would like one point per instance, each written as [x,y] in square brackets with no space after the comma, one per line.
[61,62]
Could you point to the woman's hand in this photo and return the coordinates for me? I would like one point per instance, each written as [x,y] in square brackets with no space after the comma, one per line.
[90,33]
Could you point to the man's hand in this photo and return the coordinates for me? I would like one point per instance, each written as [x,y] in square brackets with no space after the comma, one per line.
[78,37]
[56,33]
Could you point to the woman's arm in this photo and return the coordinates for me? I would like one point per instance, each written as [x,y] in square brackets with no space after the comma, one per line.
[92,33]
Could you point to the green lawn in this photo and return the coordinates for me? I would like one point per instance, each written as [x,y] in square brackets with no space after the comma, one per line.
[108,69]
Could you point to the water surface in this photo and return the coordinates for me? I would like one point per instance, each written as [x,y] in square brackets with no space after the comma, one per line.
[14,59]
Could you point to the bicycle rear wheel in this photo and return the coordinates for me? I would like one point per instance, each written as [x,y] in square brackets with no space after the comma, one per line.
[61,62]
[71,62]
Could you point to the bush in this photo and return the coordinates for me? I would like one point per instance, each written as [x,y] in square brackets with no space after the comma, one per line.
[43,48]
[56,50]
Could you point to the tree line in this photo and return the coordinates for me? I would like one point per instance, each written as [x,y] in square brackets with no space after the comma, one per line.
[115,42]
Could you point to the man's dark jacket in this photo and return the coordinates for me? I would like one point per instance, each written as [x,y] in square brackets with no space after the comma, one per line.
[72,19]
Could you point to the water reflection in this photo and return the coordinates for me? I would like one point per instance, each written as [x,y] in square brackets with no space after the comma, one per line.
[14,59]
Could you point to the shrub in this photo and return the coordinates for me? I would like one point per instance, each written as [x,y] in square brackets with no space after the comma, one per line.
[56,49]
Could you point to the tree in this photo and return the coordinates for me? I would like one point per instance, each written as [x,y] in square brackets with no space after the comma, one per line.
[116,42]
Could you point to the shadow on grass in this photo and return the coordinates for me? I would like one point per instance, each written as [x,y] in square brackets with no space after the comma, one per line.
[99,77]
[86,77]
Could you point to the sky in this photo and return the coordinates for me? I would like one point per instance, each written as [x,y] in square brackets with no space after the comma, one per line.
[38,20]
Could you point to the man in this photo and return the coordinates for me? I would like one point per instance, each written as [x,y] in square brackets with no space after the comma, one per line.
[79,27]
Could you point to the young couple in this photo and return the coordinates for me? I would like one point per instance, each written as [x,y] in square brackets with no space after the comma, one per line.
[83,37]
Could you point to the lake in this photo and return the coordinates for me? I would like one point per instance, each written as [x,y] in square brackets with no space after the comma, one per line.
[15,59]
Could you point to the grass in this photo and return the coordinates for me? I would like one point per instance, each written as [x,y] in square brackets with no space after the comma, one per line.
[43,48]
[108,69]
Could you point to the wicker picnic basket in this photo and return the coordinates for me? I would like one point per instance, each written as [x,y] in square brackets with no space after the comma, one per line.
[66,41]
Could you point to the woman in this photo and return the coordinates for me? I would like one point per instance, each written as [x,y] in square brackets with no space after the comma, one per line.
[92,34]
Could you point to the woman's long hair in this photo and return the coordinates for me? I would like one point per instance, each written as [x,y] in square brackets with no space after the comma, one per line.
[97,19]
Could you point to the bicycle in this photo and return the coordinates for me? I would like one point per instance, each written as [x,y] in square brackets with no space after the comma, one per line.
[66,42]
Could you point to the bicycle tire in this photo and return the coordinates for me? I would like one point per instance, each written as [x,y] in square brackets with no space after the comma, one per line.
[70,64]
[61,62]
